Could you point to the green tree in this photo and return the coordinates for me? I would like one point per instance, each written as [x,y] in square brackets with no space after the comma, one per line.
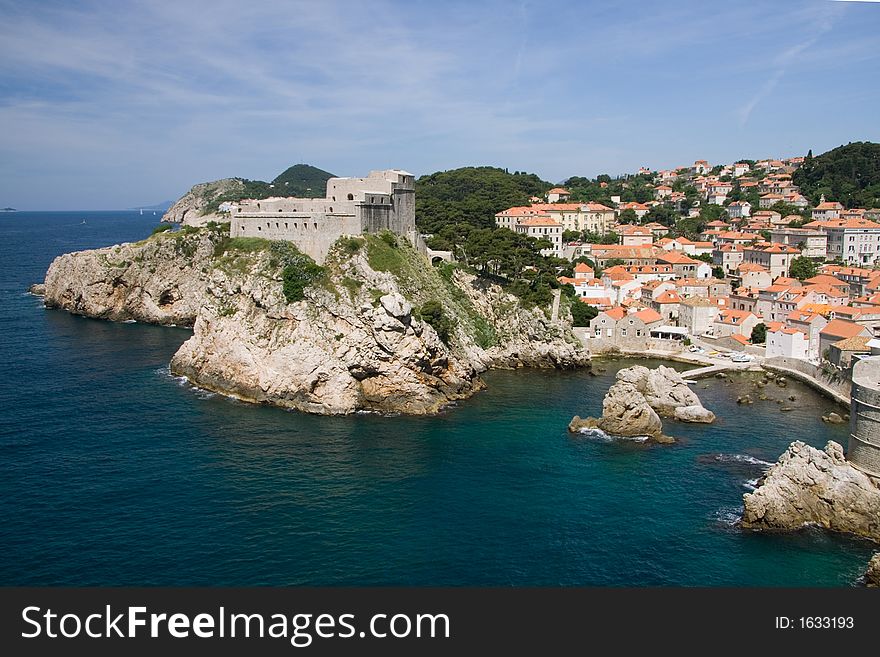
[471,196]
[628,216]
[759,334]
[718,272]
[849,174]
[582,313]
[802,268]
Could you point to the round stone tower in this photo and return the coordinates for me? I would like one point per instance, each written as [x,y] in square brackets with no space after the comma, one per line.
[864,437]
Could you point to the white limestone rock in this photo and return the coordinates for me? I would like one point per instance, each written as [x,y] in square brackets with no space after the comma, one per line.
[667,393]
[811,486]
[191,209]
[337,351]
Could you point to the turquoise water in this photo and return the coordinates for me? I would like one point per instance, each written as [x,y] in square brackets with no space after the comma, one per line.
[112,472]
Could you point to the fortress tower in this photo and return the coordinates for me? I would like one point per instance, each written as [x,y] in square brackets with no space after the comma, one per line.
[384,200]
[864,439]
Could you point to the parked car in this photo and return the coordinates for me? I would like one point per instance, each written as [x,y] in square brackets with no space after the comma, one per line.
[740,358]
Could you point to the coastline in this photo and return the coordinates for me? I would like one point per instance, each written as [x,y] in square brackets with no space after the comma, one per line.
[808,380]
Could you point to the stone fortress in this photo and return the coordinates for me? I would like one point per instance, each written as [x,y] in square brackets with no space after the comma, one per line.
[864,439]
[384,200]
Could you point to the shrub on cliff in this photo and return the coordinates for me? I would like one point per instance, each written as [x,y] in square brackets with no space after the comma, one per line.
[298,275]
[432,312]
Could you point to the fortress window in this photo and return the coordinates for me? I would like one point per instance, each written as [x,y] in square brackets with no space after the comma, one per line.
[285,225]
[316,226]
[259,228]
[277,225]
[280,210]
[331,209]
[350,197]
[242,227]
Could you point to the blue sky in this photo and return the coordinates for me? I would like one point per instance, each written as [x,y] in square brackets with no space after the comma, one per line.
[115,104]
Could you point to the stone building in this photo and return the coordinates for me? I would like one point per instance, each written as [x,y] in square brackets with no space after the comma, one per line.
[384,200]
[864,439]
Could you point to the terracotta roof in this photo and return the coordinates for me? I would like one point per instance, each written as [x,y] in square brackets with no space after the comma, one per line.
[582,268]
[699,302]
[826,279]
[855,343]
[668,297]
[739,338]
[735,317]
[842,329]
[636,230]
[558,190]
[539,221]
[616,313]
[649,315]
[844,223]
[676,258]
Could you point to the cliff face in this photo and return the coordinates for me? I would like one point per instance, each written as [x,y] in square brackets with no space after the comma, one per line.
[161,280]
[191,208]
[811,486]
[356,341]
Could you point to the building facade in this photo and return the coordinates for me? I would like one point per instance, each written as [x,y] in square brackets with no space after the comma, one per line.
[384,200]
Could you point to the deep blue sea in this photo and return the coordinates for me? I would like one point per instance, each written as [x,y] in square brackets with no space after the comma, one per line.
[112,472]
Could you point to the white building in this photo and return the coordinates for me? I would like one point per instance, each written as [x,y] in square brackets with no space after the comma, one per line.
[543,227]
[855,241]
[788,342]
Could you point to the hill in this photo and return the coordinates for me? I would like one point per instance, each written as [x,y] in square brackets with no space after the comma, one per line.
[202,203]
[303,180]
[849,174]
[471,195]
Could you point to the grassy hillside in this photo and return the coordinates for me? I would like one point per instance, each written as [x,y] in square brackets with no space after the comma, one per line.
[849,174]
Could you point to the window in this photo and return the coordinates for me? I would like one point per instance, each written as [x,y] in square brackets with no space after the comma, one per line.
[350,197]
[623,332]
[285,226]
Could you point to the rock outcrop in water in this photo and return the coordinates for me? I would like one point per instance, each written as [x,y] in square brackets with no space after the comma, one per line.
[356,341]
[810,486]
[640,396]
[667,393]
[872,575]
[625,412]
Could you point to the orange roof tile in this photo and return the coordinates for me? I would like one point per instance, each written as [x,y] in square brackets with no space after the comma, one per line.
[842,329]
[649,315]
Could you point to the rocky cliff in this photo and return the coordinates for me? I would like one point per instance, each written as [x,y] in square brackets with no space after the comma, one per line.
[195,207]
[811,486]
[635,403]
[360,336]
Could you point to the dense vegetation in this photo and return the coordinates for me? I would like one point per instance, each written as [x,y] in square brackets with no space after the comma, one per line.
[603,187]
[849,174]
[471,196]
[302,180]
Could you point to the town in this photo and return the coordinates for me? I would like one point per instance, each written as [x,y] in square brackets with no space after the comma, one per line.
[729,260]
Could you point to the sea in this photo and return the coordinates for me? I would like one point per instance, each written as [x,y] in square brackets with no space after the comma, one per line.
[114,472]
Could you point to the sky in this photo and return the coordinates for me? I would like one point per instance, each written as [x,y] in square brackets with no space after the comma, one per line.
[109,105]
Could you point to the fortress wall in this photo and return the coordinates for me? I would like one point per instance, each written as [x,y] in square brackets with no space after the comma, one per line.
[864,441]
[313,234]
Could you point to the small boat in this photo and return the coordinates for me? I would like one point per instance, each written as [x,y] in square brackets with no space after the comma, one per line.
[142,212]
[82,222]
